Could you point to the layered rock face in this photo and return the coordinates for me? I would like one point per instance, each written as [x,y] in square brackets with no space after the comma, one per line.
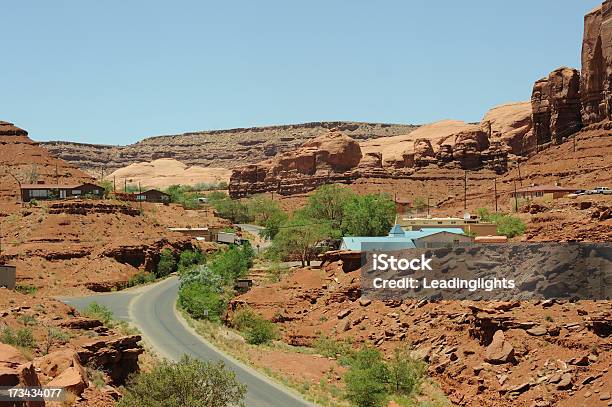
[596,81]
[555,102]
[336,158]
[215,148]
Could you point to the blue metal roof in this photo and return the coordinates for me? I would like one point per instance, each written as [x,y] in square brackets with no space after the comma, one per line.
[395,240]
[373,243]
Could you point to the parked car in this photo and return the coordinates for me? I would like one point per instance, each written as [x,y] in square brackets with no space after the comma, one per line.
[600,190]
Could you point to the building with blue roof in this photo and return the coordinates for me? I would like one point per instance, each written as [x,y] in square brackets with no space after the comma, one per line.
[400,239]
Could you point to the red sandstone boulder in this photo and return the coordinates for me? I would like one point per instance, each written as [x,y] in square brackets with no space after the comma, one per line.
[499,350]
[339,152]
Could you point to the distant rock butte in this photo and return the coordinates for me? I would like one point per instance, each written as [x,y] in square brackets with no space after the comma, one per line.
[215,148]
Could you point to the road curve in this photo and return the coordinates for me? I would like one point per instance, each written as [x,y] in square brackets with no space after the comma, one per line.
[152,310]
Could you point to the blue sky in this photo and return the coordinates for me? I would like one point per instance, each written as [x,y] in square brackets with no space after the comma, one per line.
[115,72]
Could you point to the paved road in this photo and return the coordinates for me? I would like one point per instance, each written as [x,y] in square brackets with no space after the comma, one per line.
[151,309]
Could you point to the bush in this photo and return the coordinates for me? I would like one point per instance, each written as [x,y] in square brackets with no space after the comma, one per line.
[507,225]
[140,278]
[167,263]
[367,378]
[405,372]
[189,382]
[189,258]
[332,348]
[233,263]
[26,289]
[99,312]
[22,337]
[257,330]
[201,301]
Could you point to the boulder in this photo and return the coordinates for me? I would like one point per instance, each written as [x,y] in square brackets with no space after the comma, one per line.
[499,350]
[72,379]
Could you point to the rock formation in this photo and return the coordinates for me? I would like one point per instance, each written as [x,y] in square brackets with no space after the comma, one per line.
[555,102]
[511,125]
[215,148]
[596,80]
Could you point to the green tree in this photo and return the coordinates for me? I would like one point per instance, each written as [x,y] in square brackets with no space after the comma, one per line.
[231,209]
[190,258]
[167,263]
[368,215]
[328,203]
[267,213]
[189,382]
[107,186]
[298,237]
[507,225]
[234,262]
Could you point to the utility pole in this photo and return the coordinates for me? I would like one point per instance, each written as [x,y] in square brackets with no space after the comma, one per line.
[140,200]
[495,189]
[574,139]
[428,206]
[114,184]
[465,190]
[125,185]
[515,197]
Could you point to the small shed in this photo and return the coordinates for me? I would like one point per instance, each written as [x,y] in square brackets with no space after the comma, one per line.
[153,195]
[443,238]
[543,191]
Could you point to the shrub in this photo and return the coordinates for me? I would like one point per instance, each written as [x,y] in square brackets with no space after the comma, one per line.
[99,312]
[257,329]
[507,225]
[405,372]
[201,301]
[367,378]
[262,331]
[22,337]
[26,289]
[332,348]
[189,382]
[189,258]
[140,278]
[167,263]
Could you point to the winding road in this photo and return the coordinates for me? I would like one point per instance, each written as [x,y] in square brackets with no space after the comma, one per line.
[152,310]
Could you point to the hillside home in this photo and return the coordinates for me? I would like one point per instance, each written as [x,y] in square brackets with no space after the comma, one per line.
[152,195]
[543,192]
[399,239]
[41,191]
[470,225]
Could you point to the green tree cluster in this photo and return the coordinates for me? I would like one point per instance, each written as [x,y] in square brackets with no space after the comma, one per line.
[256,329]
[206,288]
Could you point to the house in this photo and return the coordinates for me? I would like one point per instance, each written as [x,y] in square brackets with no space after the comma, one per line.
[470,225]
[205,234]
[543,191]
[152,195]
[400,239]
[7,276]
[41,190]
[402,206]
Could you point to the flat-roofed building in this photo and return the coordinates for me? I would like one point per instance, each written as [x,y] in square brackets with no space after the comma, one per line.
[469,224]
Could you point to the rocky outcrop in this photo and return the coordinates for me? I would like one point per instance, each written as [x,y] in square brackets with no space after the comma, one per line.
[116,355]
[555,102]
[510,124]
[596,79]
[216,148]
